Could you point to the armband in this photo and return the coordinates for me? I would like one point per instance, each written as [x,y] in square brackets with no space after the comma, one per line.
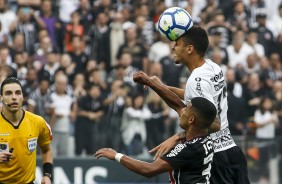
[118,156]
[48,169]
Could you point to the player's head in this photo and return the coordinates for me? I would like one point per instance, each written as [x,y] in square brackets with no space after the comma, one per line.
[198,38]
[11,93]
[193,42]
[200,112]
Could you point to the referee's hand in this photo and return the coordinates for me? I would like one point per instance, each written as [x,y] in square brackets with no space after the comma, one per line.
[5,157]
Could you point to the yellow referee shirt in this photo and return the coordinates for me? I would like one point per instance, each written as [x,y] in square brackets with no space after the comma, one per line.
[31,131]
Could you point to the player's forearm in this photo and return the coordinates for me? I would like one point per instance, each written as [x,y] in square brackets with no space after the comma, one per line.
[140,167]
[215,126]
[179,92]
[170,98]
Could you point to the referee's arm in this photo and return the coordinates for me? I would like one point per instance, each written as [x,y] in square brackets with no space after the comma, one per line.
[47,161]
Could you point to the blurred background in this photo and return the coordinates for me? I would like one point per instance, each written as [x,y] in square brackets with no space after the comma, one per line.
[76,58]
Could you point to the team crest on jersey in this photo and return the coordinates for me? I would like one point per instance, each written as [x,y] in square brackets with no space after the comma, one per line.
[31,144]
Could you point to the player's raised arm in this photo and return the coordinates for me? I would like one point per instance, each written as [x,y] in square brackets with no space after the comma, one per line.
[170,98]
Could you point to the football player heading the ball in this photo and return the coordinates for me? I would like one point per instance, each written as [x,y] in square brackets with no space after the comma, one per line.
[206,80]
[190,160]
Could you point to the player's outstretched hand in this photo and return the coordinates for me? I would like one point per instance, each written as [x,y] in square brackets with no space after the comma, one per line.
[106,152]
[141,78]
[164,147]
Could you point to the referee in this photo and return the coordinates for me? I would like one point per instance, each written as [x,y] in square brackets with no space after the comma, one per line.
[20,133]
[188,162]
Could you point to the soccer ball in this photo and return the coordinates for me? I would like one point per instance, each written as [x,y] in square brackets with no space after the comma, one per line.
[173,23]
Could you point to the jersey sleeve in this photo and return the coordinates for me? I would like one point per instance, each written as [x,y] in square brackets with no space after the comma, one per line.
[182,155]
[198,87]
[45,134]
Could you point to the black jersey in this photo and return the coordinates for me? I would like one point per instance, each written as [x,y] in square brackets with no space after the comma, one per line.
[191,161]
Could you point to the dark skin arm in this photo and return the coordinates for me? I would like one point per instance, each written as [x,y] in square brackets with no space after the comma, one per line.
[174,101]
[143,168]
[170,98]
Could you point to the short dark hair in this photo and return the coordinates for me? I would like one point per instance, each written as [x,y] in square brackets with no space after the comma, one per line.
[197,37]
[205,111]
[10,80]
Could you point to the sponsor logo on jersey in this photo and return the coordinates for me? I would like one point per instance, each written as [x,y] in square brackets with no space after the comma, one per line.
[198,86]
[198,79]
[217,77]
[220,85]
[176,150]
[222,140]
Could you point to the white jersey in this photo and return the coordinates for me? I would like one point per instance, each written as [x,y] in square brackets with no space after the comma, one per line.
[208,81]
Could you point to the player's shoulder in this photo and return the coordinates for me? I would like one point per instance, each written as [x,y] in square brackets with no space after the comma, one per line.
[208,69]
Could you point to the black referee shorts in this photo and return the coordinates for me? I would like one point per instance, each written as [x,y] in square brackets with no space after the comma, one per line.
[229,167]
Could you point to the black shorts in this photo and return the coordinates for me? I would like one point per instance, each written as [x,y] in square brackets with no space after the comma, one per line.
[229,167]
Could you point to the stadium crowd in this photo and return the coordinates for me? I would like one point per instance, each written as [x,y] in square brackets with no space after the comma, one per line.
[76,58]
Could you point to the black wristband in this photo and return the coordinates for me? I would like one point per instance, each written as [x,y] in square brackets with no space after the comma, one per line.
[48,168]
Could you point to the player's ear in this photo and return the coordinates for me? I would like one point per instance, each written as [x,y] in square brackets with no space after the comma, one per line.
[189,49]
[191,120]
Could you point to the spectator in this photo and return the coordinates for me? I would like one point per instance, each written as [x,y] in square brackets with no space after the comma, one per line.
[40,101]
[90,111]
[28,23]
[133,127]
[73,28]
[53,25]
[238,51]
[266,120]
[171,71]
[41,51]
[252,40]
[156,123]
[218,25]
[79,86]
[84,9]
[98,38]
[51,66]
[215,44]
[136,50]
[65,115]
[115,102]
[5,62]
[116,36]
[30,85]
[265,35]
[159,49]
[236,113]
[240,16]
[253,92]
[277,20]
[78,57]
[145,31]
[20,65]
[7,16]
[66,7]
[67,66]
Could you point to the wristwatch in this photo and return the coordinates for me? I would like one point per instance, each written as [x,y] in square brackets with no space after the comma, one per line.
[48,175]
